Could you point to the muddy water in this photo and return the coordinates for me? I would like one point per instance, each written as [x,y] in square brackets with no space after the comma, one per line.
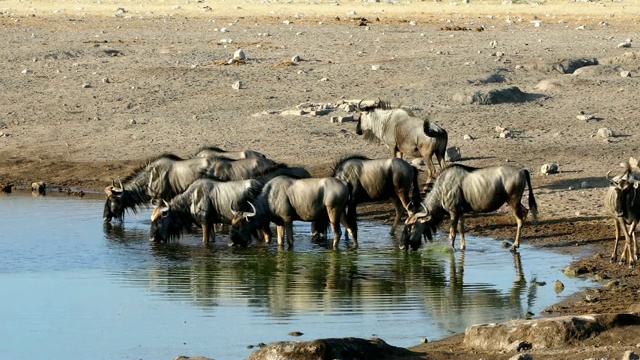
[74,288]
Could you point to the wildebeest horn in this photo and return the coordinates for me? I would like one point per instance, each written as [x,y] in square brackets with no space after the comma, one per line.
[360,105]
[424,207]
[608,175]
[165,206]
[233,212]
[254,210]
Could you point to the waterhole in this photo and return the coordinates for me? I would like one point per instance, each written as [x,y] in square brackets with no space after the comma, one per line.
[75,288]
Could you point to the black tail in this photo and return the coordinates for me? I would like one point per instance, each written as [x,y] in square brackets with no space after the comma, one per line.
[533,207]
[442,138]
[352,215]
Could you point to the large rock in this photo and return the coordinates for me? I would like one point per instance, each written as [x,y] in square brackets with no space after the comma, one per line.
[543,333]
[511,94]
[334,348]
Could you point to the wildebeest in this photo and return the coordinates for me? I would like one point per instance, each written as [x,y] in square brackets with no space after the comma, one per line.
[6,188]
[224,169]
[461,189]
[161,178]
[404,133]
[622,202]
[284,200]
[380,179]
[39,188]
[205,202]
[212,151]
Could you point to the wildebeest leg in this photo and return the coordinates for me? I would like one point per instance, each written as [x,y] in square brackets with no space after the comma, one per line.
[280,234]
[452,229]
[288,229]
[626,252]
[463,244]
[208,231]
[614,255]
[633,246]
[520,212]
[397,204]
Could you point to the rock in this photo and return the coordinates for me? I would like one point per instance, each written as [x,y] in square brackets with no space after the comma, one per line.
[106,80]
[39,187]
[625,73]
[510,94]
[521,357]
[493,44]
[424,340]
[505,134]
[585,117]
[467,137]
[551,168]
[452,154]
[332,348]
[295,333]
[544,332]
[605,133]
[376,67]
[86,86]
[239,55]
[182,357]
[296,58]
[558,286]
[237,85]
[634,308]
[293,112]
[624,44]
[346,118]
[630,355]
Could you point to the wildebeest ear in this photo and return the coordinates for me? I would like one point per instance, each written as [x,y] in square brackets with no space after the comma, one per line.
[636,184]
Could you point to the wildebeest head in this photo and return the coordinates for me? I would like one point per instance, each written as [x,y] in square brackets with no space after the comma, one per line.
[114,206]
[246,224]
[417,226]
[165,224]
[625,186]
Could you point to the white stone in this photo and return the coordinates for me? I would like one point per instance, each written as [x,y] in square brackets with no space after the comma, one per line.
[467,137]
[625,44]
[296,58]
[26,71]
[376,67]
[585,117]
[239,55]
[625,73]
[237,85]
[605,133]
[547,169]
[506,134]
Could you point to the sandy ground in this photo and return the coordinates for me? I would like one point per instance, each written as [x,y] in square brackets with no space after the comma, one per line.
[92,90]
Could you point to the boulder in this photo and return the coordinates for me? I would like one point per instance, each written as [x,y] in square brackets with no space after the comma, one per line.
[332,348]
[543,333]
[452,154]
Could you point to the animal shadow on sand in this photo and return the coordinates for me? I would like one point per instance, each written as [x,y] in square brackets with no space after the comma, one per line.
[564,184]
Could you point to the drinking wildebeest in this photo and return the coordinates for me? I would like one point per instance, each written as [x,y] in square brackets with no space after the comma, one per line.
[623,204]
[284,200]
[224,169]
[461,189]
[404,133]
[205,202]
[380,179]
[39,188]
[163,178]
[212,151]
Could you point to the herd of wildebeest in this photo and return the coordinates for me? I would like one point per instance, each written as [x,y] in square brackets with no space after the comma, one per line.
[248,191]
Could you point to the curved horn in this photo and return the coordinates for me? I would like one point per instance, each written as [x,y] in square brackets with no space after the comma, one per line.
[254,210]
[121,186]
[360,105]
[165,206]
[424,208]
[233,212]
[608,175]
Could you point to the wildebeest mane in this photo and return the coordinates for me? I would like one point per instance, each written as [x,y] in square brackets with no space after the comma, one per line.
[209,148]
[342,160]
[145,167]
[280,169]
[466,168]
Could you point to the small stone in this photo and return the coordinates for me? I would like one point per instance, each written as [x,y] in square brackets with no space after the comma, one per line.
[296,58]
[26,71]
[106,80]
[452,154]
[493,44]
[585,185]
[500,129]
[424,340]
[585,117]
[333,119]
[506,134]
[521,357]
[624,44]
[625,73]
[224,30]
[237,85]
[506,244]
[467,137]
[86,86]
[605,133]
[296,333]
[558,286]
[324,79]
[133,121]
[376,67]
[413,23]
[239,55]
[547,169]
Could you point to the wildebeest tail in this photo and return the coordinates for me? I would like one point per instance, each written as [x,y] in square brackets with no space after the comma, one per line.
[533,207]
[442,138]
[416,199]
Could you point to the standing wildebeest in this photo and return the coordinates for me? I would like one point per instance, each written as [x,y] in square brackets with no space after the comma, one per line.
[284,200]
[461,189]
[622,202]
[205,202]
[404,133]
[163,178]
[224,169]
[212,151]
[380,179]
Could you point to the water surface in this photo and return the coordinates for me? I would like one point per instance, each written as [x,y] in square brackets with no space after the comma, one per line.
[74,288]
